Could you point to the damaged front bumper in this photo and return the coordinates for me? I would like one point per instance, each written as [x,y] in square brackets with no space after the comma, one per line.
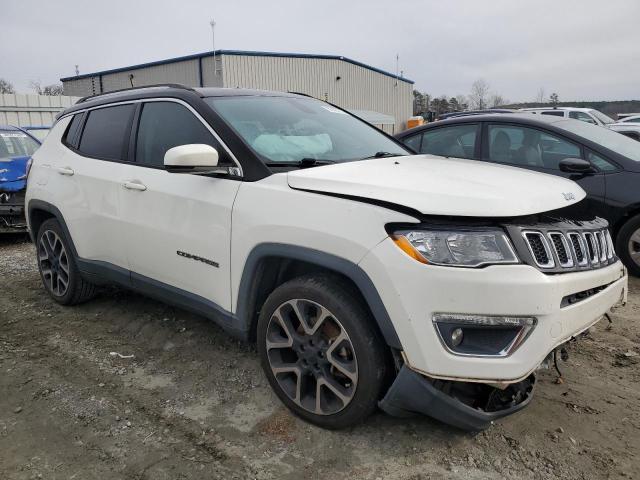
[12,212]
[465,405]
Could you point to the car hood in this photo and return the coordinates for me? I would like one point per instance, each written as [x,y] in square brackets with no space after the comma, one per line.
[442,186]
[13,173]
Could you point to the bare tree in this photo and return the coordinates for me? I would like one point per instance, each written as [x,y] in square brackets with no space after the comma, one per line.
[553,99]
[497,100]
[51,90]
[540,95]
[463,102]
[478,95]
[6,86]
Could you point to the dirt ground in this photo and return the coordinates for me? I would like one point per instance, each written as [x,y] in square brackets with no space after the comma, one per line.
[193,403]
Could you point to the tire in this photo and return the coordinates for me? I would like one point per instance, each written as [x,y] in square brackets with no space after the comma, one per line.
[628,245]
[57,266]
[346,353]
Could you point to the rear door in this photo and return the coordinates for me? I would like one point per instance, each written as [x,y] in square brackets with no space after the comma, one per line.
[86,181]
[178,225]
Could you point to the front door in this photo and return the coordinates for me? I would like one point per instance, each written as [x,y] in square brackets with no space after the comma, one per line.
[542,151]
[178,225]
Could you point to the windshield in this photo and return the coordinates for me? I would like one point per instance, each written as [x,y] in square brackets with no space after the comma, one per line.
[290,130]
[602,117]
[610,139]
[16,144]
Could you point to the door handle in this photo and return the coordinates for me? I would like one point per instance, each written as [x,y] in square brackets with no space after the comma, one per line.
[133,185]
[68,171]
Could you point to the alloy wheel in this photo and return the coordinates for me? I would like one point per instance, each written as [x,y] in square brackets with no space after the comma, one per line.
[634,247]
[54,263]
[312,357]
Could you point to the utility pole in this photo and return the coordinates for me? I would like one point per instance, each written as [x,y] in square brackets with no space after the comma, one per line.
[77,71]
[213,45]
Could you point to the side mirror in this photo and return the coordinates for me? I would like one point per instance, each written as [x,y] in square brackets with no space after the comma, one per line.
[575,165]
[192,158]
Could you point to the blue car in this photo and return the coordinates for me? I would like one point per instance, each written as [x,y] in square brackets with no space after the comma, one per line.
[16,148]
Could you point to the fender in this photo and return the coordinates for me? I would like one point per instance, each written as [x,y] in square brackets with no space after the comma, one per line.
[246,289]
[55,212]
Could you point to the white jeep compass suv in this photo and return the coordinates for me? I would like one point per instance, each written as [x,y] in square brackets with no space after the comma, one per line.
[367,276]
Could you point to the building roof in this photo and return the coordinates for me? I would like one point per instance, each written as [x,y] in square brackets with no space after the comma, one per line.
[239,53]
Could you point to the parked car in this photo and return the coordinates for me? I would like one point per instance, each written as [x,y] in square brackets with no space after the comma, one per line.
[367,276]
[629,126]
[444,116]
[16,148]
[589,115]
[39,132]
[605,164]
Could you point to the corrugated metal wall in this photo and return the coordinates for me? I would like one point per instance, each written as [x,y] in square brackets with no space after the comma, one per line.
[357,88]
[185,72]
[31,110]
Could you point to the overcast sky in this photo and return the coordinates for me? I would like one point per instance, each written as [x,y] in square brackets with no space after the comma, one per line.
[581,49]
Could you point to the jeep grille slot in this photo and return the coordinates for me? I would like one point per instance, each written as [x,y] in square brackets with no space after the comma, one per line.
[592,247]
[561,247]
[539,249]
[579,248]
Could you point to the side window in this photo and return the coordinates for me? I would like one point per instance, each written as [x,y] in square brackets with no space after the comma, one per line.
[71,135]
[105,133]
[583,117]
[555,113]
[456,141]
[413,141]
[528,147]
[164,125]
[600,163]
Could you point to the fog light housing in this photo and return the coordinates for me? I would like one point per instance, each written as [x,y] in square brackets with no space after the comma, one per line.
[482,335]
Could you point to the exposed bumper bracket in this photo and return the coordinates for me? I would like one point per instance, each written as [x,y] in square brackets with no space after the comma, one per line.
[412,393]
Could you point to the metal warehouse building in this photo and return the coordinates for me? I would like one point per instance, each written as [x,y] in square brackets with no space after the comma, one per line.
[379,97]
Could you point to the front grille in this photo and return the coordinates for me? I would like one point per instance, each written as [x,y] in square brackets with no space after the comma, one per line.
[564,246]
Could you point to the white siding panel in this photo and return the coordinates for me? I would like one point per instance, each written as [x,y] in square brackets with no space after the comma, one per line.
[37,110]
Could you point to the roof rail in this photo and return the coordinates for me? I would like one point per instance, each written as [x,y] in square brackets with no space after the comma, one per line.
[165,85]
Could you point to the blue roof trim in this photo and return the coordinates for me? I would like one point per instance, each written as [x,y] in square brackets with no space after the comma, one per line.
[197,56]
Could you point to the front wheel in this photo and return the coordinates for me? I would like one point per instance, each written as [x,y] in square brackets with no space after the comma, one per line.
[321,352]
[628,245]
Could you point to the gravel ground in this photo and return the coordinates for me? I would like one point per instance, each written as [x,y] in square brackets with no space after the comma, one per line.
[193,403]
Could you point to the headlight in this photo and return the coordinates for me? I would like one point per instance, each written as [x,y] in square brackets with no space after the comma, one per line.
[472,248]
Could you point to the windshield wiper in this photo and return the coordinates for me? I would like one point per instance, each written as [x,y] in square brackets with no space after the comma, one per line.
[382,155]
[302,163]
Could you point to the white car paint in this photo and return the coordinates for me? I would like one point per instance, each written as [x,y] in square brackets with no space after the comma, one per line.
[141,229]
[577,113]
[443,186]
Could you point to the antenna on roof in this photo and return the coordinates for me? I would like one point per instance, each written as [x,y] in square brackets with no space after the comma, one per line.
[213,46]
[397,67]
[77,71]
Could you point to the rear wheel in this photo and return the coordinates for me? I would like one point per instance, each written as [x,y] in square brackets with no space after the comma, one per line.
[321,352]
[628,245]
[58,270]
